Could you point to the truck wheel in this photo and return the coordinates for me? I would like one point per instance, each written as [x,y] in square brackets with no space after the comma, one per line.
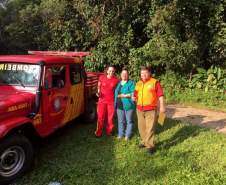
[16,156]
[91,111]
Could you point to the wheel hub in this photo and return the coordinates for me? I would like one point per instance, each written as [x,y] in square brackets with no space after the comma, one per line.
[11,161]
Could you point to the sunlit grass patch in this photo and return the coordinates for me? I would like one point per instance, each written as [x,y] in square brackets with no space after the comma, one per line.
[185,154]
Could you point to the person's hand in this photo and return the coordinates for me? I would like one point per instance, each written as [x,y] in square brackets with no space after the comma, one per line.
[162,109]
[124,96]
[127,96]
[134,98]
[121,96]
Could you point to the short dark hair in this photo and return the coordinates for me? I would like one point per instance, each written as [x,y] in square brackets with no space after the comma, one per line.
[106,69]
[125,69]
[110,66]
[146,68]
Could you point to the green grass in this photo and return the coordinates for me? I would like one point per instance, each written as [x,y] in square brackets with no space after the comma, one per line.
[197,98]
[185,155]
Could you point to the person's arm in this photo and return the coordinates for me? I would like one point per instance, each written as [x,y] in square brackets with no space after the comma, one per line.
[120,95]
[98,87]
[117,95]
[160,94]
[131,90]
[162,107]
[129,94]
[135,93]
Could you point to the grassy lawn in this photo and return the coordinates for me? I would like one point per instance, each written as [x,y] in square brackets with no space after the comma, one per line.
[186,155]
[197,98]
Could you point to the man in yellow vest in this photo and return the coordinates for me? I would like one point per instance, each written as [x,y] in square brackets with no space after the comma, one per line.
[147,93]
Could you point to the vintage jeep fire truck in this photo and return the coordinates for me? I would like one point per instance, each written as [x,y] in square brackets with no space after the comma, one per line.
[39,93]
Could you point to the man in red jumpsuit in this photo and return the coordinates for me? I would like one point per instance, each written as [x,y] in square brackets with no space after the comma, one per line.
[105,106]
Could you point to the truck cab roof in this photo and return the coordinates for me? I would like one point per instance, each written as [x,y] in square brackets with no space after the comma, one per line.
[36,59]
[48,57]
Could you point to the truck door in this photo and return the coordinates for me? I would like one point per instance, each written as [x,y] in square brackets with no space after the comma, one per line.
[55,96]
[75,106]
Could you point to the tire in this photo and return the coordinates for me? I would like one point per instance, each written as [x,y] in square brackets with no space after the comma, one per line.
[16,157]
[90,115]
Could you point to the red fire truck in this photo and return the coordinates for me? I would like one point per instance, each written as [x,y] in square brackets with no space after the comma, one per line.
[39,93]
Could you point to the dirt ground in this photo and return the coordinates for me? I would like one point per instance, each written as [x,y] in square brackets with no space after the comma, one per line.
[202,117]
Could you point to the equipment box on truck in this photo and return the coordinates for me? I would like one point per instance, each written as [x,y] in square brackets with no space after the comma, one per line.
[39,93]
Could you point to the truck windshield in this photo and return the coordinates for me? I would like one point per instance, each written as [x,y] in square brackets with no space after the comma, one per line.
[19,74]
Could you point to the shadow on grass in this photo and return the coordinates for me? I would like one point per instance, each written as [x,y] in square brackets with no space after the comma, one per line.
[219,125]
[72,155]
[184,132]
[216,121]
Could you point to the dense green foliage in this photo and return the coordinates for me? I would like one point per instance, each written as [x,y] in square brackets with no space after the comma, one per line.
[176,35]
[206,88]
[185,154]
[197,98]
[214,78]
[179,37]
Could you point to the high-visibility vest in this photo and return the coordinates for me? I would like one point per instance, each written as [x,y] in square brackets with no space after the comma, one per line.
[146,95]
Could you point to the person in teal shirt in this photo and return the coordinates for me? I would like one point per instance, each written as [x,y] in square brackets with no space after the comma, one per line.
[124,105]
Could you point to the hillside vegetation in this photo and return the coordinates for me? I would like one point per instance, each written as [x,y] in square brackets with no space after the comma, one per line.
[184,41]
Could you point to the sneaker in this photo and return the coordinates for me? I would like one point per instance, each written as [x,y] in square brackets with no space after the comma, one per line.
[119,137]
[141,146]
[151,151]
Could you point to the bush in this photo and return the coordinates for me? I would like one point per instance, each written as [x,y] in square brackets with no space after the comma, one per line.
[212,79]
[207,88]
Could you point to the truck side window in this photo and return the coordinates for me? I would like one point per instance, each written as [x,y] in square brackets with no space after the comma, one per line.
[58,76]
[75,73]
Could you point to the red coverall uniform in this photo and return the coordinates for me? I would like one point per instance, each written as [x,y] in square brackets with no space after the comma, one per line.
[105,106]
